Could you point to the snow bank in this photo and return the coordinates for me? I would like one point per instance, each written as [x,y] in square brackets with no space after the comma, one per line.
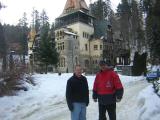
[155,67]
[148,104]
[129,80]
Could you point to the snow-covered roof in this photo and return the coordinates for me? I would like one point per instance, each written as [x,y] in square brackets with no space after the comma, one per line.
[70,33]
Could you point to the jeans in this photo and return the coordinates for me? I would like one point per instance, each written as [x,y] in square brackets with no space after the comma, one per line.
[79,111]
[111,109]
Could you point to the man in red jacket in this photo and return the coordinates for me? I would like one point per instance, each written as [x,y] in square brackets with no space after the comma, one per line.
[108,90]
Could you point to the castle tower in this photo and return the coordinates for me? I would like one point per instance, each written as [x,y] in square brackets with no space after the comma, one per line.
[73,30]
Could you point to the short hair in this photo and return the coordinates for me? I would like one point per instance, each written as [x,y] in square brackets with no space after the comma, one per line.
[77,66]
[103,62]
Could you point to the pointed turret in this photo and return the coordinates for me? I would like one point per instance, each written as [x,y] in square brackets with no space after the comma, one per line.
[73,5]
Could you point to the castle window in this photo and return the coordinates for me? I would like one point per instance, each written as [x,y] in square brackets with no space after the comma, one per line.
[95,47]
[62,62]
[86,63]
[61,46]
[57,34]
[60,33]
[86,47]
[85,35]
[100,47]
[75,37]
[96,62]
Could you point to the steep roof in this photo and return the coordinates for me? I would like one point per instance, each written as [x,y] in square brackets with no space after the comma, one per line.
[72,5]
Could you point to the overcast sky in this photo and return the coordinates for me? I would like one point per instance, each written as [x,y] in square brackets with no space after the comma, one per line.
[15,9]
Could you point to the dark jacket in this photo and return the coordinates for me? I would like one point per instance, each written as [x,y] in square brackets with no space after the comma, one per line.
[77,91]
[107,87]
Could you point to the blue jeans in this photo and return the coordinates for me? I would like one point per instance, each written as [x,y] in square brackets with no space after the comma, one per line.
[79,111]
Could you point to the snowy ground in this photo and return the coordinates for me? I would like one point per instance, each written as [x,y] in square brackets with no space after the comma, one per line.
[46,101]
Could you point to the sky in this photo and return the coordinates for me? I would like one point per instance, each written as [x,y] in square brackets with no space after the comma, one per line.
[15,9]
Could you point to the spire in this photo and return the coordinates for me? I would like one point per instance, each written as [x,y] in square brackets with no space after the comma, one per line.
[72,5]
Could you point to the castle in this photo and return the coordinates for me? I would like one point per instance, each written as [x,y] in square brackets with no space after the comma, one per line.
[76,44]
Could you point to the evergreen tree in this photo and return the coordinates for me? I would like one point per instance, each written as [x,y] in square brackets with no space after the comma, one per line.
[151,10]
[2,6]
[3,48]
[12,33]
[23,35]
[155,46]
[43,18]
[144,63]
[35,20]
[124,12]
[101,10]
[139,64]
[3,45]
[135,64]
[47,52]
[137,33]
[53,31]
[131,26]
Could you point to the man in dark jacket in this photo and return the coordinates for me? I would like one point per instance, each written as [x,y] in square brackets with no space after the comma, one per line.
[77,95]
[108,90]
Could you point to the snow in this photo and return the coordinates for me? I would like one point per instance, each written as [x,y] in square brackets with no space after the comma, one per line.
[155,67]
[149,104]
[70,33]
[50,91]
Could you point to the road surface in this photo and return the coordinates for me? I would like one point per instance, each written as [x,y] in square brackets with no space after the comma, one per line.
[59,111]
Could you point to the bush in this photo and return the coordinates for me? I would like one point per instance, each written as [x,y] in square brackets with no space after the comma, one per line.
[12,81]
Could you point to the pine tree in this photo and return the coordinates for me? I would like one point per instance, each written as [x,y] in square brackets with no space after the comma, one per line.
[139,64]
[47,52]
[101,10]
[2,6]
[43,18]
[151,10]
[155,46]
[3,45]
[23,35]
[35,20]
[124,12]
[137,32]
[3,48]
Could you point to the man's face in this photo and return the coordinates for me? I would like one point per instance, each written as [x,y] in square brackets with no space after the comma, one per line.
[103,67]
[78,71]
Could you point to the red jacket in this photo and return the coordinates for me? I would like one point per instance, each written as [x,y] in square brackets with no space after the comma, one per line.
[107,87]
